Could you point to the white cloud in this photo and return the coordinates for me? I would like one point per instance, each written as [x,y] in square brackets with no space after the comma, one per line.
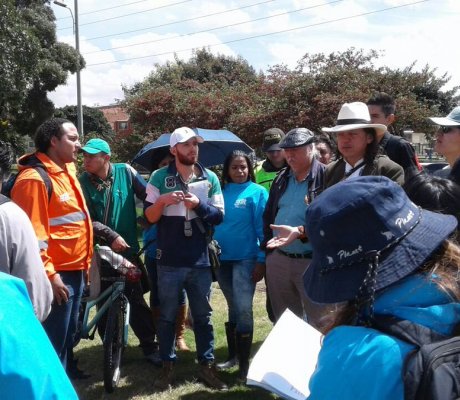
[425,32]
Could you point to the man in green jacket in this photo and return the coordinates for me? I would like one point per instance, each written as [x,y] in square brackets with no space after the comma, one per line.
[109,191]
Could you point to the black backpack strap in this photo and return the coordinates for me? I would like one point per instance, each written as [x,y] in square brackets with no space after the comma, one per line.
[46,179]
[405,330]
[3,199]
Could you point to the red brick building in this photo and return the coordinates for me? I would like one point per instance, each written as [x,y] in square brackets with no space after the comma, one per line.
[118,119]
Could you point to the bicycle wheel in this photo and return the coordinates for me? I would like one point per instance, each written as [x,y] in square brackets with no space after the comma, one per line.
[113,343]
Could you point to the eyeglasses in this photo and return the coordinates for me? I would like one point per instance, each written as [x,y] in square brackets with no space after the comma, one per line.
[447,129]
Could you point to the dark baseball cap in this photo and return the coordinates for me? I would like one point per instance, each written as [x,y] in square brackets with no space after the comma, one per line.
[297,137]
[272,138]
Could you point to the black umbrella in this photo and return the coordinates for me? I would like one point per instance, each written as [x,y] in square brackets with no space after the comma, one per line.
[217,145]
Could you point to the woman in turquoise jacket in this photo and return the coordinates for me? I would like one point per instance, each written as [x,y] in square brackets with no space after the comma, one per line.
[239,236]
[378,254]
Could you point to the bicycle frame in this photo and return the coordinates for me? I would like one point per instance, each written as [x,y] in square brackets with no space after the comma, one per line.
[107,297]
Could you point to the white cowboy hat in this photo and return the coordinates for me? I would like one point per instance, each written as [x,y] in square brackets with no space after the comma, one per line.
[354,116]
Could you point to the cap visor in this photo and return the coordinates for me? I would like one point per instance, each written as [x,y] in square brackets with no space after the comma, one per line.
[90,150]
[443,121]
[342,284]
[273,147]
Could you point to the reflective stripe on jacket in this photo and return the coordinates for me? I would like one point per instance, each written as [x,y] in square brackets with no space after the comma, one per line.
[62,224]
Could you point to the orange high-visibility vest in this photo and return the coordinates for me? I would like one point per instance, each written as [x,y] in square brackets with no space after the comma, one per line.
[62,224]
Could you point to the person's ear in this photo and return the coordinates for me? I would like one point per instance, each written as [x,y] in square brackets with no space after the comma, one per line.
[173,151]
[390,119]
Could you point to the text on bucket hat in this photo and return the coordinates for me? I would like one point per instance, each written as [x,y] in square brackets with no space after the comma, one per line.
[297,137]
[181,135]
[452,119]
[354,116]
[358,219]
[272,138]
[94,146]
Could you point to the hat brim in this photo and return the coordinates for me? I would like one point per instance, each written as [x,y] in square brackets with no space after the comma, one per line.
[91,150]
[273,147]
[197,137]
[380,128]
[307,142]
[444,121]
[342,284]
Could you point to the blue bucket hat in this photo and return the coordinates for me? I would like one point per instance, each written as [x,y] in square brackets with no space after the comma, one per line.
[452,119]
[362,223]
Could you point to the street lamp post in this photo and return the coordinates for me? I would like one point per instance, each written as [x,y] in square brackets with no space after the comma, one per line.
[77,47]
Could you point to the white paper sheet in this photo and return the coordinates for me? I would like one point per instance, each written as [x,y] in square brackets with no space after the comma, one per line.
[287,358]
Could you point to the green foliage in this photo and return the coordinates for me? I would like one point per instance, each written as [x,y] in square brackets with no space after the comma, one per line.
[94,121]
[32,63]
[206,92]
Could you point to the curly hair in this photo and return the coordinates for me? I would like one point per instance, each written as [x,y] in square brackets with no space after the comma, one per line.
[46,131]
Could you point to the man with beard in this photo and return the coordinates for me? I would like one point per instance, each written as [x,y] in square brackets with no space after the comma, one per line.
[185,200]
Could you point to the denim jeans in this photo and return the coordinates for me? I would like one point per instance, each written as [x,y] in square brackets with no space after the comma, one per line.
[235,280]
[61,324]
[151,266]
[197,284]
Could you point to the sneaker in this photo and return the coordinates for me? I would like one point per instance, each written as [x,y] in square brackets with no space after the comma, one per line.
[154,358]
[208,375]
[166,378]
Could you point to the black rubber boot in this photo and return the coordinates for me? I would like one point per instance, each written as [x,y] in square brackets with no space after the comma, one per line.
[232,360]
[243,345]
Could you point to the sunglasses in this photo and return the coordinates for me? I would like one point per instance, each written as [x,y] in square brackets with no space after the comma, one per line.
[447,129]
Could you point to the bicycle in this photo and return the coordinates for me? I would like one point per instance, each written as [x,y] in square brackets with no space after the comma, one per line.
[112,301]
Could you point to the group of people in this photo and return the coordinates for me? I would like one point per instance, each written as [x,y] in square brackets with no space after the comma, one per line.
[324,219]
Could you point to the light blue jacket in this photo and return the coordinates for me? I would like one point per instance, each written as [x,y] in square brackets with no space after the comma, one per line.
[29,365]
[241,231]
[359,363]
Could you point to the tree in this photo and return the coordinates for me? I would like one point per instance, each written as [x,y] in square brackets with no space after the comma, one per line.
[93,119]
[32,63]
[311,95]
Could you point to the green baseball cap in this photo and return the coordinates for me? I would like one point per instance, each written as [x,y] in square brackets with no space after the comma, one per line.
[94,146]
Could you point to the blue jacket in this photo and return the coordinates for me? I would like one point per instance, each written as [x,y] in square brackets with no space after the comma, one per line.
[241,231]
[174,249]
[361,363]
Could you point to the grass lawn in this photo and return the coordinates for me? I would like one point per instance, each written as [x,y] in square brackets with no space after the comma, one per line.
[138,375]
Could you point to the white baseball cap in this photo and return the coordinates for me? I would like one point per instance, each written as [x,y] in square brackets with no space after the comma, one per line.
[181,135]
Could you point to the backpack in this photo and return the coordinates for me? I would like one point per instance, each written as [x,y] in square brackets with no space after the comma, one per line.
[7,186]
[432,370]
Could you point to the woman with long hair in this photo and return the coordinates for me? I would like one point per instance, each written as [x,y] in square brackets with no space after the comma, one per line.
[242,261]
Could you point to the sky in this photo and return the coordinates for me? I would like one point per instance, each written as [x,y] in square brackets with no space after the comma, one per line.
[123,40]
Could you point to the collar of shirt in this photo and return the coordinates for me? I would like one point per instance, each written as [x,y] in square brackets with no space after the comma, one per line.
[349,167]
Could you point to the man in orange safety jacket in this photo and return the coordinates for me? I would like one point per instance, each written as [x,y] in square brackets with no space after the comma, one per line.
[61,222]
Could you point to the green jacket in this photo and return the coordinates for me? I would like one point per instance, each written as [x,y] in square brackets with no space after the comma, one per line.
[121,216]
[265,173]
